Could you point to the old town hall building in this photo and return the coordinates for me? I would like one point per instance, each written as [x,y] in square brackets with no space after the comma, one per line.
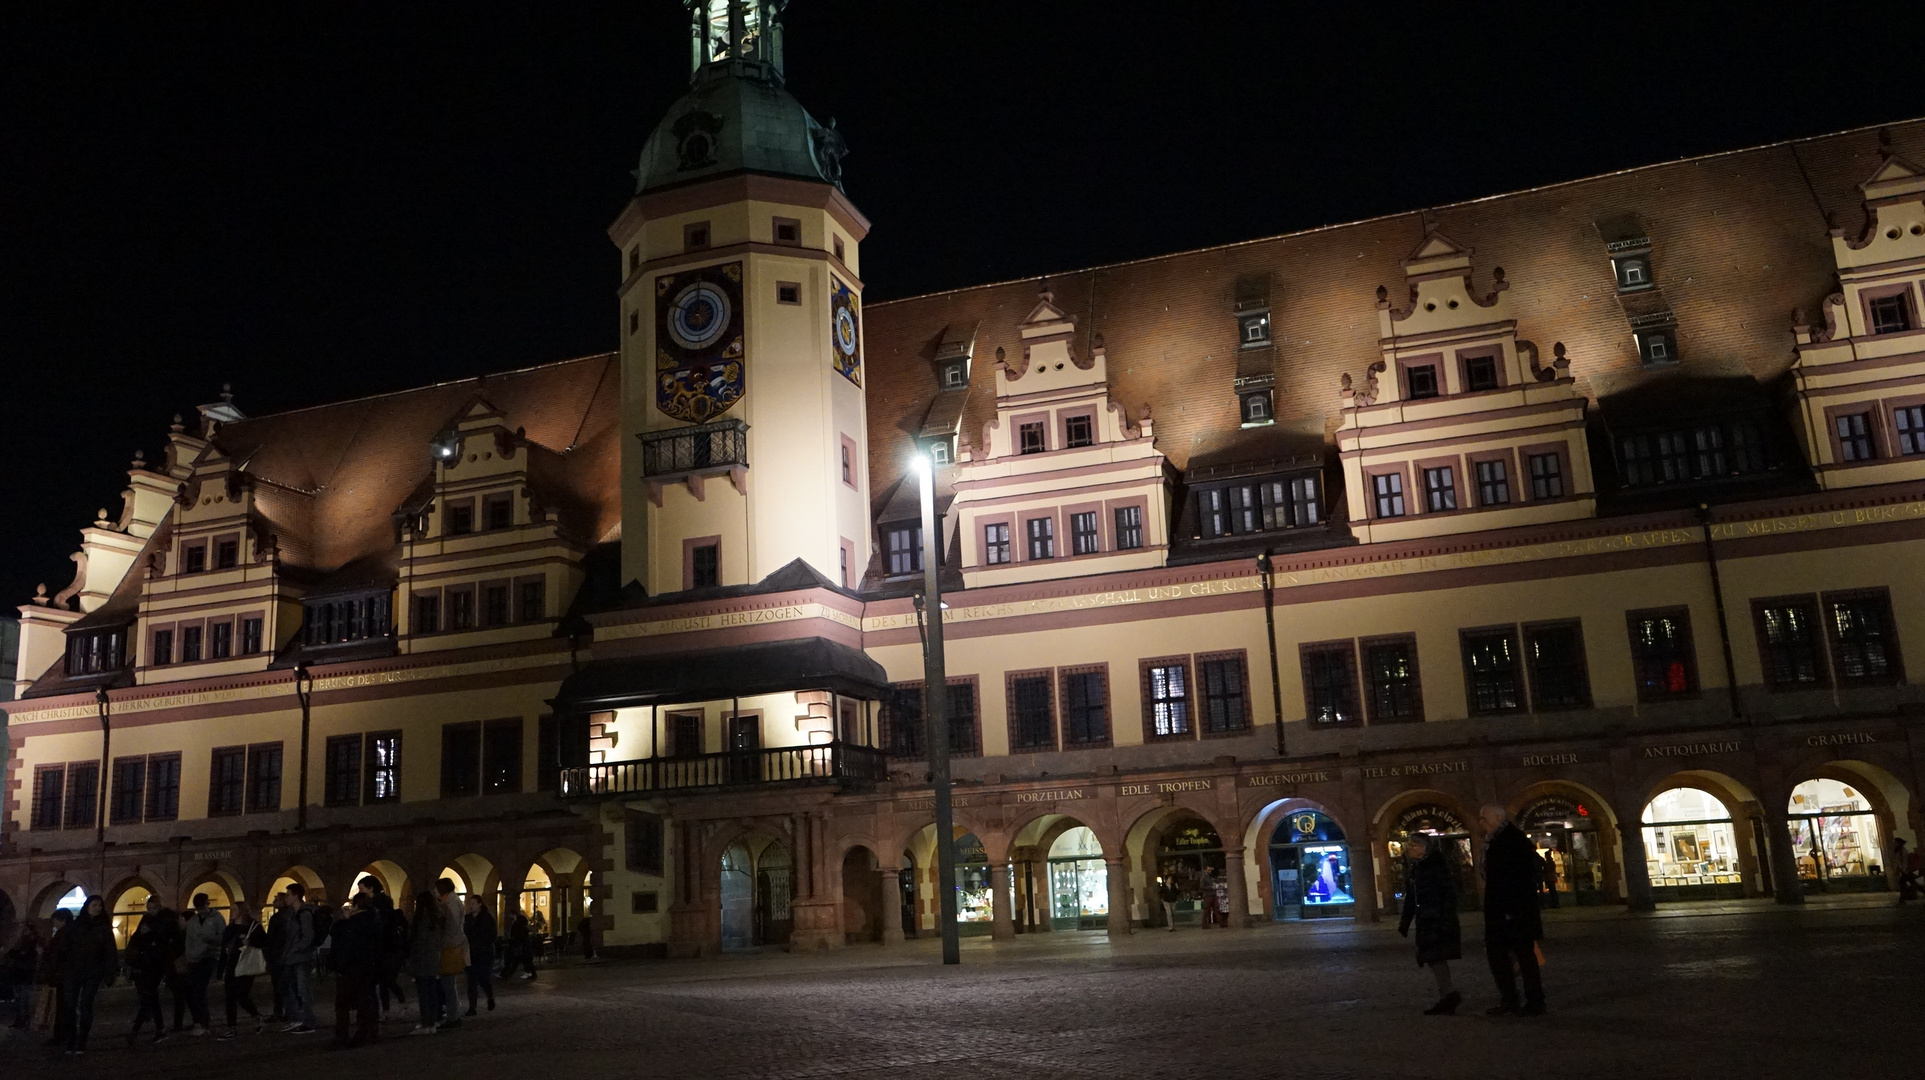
[1604,501]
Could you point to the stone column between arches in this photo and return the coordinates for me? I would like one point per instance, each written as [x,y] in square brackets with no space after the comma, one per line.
[1238,917]
[891,893]
[1118,869]
[1002,925]
[1783,861]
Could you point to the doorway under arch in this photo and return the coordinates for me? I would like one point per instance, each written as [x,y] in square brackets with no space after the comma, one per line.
[757,891]
[1310,868]
[128,908]
[1189,851]
[1836,841]
[1575,831]
[863,916]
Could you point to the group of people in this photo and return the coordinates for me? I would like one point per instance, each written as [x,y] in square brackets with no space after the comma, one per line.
[367,945]
[1211,894]
[1513,874]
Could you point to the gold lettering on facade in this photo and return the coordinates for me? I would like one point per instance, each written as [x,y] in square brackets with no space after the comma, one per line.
[1427,768]
[1059,795]
[1534,760]
[1848,738]
[1692,749]
[1165,787]
[1289,779]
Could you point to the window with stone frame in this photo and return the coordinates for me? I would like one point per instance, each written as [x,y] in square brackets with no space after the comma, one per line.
[1224,692]
[1493,483]
[382,760]
[1129,527]
[127,795]
[227,781]
[1254,329]
[49,790]
[645,848]
[531,600]
[1662,658]
[1166,699]
[498,511]
[163,648]
[191,639]
[1388,489]
[1554,656]
[341,771]
[1032,713]
[501,756]
[1079,430]
[163,787]
[220,640]
[83,794]
[263,778]
[1864,639]
[1854,437]
[1909,421]
[996,543]
[1440,489]
[1890,314]
[1329,682]
[1393,692]
[227,554]
[251,642]
[1493,681]
[903,724]
[1031,438]
[1256,407]
[461,759]
[427,613]
[1086,706]
[1480,373]
[1085,538]
[903,545]
[1547,476]
[1790,642]
[705,566]
[1042,537]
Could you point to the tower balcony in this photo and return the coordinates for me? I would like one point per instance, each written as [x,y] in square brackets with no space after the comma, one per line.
[691,454]
[836,762]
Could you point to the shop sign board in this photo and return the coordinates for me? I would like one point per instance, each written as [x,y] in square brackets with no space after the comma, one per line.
[1842,738]
[1054,795]
[929,804]
[1542,759]
[1422,768]
[1290,779]
[1694,749]
[1166,787]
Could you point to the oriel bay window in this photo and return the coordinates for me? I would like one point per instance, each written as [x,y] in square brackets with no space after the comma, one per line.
[1864,640]
[1329,682]
[1086,712]
[1789,641]
[1166,698]
[1223,680]
[1560,678]
[1661,654]
[1492,681]
[1392,691]
[1032,720]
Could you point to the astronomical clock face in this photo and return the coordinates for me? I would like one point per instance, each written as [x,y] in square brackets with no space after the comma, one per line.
[698,342]
[845,331]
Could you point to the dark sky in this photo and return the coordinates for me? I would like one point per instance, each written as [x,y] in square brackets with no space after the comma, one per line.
[320,201]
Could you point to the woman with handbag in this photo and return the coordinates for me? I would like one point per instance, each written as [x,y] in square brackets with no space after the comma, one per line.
[243,959]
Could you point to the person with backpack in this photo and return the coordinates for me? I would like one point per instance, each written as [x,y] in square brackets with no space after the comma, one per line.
[151,951]
[296,961]
[243,959]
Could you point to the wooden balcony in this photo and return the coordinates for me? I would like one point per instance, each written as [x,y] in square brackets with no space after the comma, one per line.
[824,763]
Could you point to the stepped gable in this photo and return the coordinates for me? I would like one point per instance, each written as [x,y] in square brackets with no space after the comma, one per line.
[1740,239]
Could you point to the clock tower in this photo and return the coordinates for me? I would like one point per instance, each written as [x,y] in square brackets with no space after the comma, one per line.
[741,332]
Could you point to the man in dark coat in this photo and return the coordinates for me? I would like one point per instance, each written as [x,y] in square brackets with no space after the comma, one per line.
[1513,874]
[84,963]
[356,955]
[1430,901]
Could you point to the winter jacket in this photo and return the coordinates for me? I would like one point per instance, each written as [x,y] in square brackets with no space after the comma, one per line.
[298,944]
[452,915]
[236,936]
[90,952]
[424,949]
[21,961]
[355,945]
[1512,875]
[202,936]
[1430,901]
[154,944]
[480,928]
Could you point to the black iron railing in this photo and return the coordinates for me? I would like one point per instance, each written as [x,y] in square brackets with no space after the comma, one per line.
[722,444]
[833,761]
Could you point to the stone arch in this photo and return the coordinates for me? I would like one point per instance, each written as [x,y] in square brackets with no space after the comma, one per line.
[1749,836]
[1258,847]
[228,885]
[126,905]
[388,874]
[473,875]
[864,911]
[1035,871]
[755,886]
[1593,868]
[1140,856]
[49,897]
[1894,809]
[919,847]
[1386,847]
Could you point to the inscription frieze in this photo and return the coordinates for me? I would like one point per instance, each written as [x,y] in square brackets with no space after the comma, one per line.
[1166,787]
[1290,779]
[1693,749]
[1422,768]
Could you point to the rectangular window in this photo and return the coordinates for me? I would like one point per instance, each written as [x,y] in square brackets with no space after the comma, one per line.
[1225,698]
[128,797]
[190,644]
[1422,381]
[1389,490]
[1084,539]
[163,787]
[531,600]
[954,377]
[1560,679]
[501,756]
[227,554]
[250,636]
[264,778]
[1708,442]
[788,231]
[460,518]
[1661,655]
[1079,430]
[705,566]
[1213,507]
[1491,677]
[49,785]
[1864,640]
[1440,489]
[220,643]
[996,544]
[1330,682]
[1032,723]
[1086,712]
[1788,642]
[963,739]
[1639,468]
[1042,537]
[902,723]
[645,835]
[788,292]
[685,734]
[461,759]
[695,235]
[1129,527]
[427,614]
[1674,456]
[1493,483]
[1030,438]
[1890,314]
[163,647]
[1393,692]
[227,781]
[1166,699]
[498,512]
[905,550]
[341,785]
[1256,328]
[848,465]
[1547,476]
[194,558]
[1910,422]
[1480,373]
[1747,447]
[1854,437]
[83,794]
[382,760]
[461,608]
[1256,407]
[494,605]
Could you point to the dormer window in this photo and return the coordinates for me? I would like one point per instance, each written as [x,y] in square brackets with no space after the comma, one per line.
[461,519]
[1633,272]
[193,558]
[954,377]
[344,618]
[1421,382]
[939,452]
[1079,430]
[1030,438]
[1255,329]
[905,549]
[1256,408]
[227,554]
[1889,314]
[1657,347]
[1480,373]
[96,651]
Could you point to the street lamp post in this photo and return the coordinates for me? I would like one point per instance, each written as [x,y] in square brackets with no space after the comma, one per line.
[935,692]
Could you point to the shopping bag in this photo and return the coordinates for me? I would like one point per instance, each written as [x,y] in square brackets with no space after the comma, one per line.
[1539,950]
[45,1004]
[252,961]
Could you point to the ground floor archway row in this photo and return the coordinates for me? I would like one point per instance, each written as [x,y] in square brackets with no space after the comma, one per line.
[1851,824]
[756,881]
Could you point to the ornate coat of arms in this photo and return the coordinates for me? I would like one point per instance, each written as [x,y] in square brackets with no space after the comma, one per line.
[845,331]
[699,342]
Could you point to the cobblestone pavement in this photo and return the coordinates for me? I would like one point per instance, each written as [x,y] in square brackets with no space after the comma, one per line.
[1754,990]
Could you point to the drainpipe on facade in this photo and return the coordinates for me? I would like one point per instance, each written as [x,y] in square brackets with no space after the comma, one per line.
[304,692]
[1268,571]
[1717,597]
[105,708]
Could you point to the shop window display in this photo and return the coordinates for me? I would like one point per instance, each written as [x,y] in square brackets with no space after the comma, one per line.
[973,896]
[1078,882]
[1445,826]
[128,911]
[1565,834]
[1835,838]
[1690,847]
[1309,868]
[1188,848]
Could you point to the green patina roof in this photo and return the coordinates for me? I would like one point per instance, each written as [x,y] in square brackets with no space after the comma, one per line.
[732,123]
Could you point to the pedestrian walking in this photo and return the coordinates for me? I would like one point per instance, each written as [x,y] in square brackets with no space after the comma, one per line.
[84,963]
[585,930]
[424,961]
[1207,894]
[17,970]
[393,946]
[1549,876]
[1430,903]
[151,950]
[296,961]
[355,957]
[1168,894]
[203,932]
[243,959]
[454,952]
[479,925]
[1512,925]
[521,946]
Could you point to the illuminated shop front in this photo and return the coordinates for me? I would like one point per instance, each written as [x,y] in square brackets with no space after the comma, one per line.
[1188,847]
[129,909]
[1078,882]
[1565,833]
[1309,868]
[1835,838]
[1446,828]
[973,894]
[1691,848]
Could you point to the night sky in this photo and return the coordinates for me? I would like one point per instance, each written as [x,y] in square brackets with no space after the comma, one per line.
[322,201]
